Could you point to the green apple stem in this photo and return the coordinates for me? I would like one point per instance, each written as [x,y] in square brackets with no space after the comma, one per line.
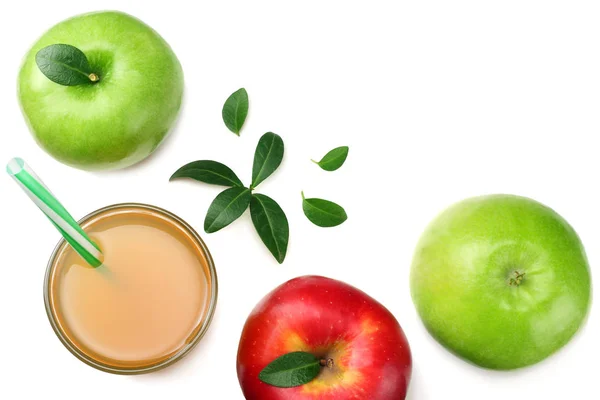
[516,281]
[94,77]
[326,362]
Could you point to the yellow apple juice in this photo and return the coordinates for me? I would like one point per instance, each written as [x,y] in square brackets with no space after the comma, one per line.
[148,303]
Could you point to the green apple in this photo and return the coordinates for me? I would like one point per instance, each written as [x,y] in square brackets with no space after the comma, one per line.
[122,118]
[502,281]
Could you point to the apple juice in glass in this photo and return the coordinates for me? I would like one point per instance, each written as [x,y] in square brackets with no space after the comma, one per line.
[147,305]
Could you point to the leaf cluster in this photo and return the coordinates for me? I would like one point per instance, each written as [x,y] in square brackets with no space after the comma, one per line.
[267,216]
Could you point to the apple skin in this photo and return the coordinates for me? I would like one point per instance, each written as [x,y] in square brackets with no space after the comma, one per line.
[461,281]
[330,319]
[117,121]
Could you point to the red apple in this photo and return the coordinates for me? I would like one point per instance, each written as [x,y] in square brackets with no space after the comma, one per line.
[334,321]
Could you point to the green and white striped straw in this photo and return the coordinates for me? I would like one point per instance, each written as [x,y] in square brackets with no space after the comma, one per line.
[56,213]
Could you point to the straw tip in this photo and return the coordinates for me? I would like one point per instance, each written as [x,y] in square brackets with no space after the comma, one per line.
[15,166]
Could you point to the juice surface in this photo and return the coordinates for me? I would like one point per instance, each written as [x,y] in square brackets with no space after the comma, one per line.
[145,303]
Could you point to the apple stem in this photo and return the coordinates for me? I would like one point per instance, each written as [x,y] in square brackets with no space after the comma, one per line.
[516,281]
[326,362]
[94,77]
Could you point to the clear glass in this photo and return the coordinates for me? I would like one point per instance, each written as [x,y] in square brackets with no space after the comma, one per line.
[199,331]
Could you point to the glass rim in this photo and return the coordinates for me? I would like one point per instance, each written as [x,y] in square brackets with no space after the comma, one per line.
[203,326]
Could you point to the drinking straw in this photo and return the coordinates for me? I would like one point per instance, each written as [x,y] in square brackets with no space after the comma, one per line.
[56,213]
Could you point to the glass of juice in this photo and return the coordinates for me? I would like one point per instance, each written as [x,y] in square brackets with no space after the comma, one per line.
[149,303]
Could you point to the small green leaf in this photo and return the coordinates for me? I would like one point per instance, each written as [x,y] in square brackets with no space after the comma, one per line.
[323,213]
[235,110]
[271,224]
[333,159]
[267,157]
[228,206]
[208,171]
[65,64]
[290,370]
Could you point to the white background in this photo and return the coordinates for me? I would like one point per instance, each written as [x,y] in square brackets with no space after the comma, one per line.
[438,101]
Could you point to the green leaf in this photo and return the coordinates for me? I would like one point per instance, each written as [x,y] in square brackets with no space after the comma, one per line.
[208,171]
[290,370]
[271,224]
[333,159]
[323,213]
[235,110]
[65,64]
[228,206]
[267,157]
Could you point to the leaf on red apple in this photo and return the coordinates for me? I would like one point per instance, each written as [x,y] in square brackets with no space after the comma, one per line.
[290,370]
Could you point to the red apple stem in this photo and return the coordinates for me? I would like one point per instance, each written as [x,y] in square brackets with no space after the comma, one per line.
[326,362]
